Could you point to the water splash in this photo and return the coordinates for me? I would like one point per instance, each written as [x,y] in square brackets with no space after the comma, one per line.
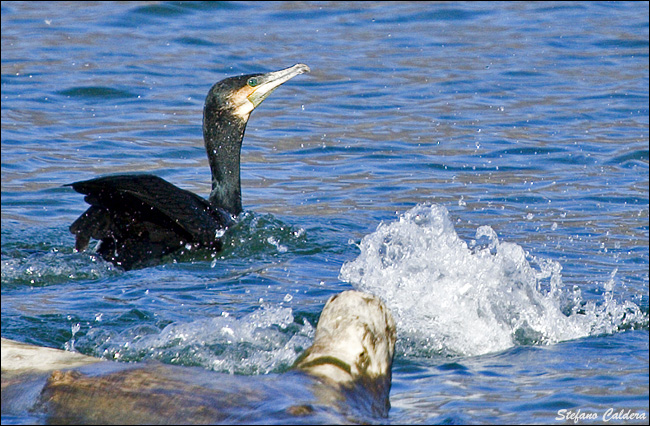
[266,340]
[38,267]
[454,298]
[69,345]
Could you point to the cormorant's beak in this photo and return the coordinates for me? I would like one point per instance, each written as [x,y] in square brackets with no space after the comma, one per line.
[264,84]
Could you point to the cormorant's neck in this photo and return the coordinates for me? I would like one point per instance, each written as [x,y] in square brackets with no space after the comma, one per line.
[223,133]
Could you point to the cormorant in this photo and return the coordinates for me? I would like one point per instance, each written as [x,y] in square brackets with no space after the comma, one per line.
[138,219]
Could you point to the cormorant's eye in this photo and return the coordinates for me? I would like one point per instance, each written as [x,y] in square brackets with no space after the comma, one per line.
[252,82]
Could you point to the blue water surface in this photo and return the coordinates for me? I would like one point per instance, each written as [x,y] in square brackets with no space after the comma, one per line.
[530,118]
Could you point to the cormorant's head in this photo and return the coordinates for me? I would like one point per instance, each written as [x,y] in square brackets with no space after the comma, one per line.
[241,95]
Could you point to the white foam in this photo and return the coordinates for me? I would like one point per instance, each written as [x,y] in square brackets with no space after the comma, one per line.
[455,298]
[257,343]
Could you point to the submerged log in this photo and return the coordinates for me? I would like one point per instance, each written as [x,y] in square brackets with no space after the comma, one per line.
[344,376]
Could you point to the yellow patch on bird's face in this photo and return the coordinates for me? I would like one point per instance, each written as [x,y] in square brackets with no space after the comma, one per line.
[241,105]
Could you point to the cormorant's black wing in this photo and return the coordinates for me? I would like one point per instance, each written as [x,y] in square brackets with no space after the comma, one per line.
[144,216]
